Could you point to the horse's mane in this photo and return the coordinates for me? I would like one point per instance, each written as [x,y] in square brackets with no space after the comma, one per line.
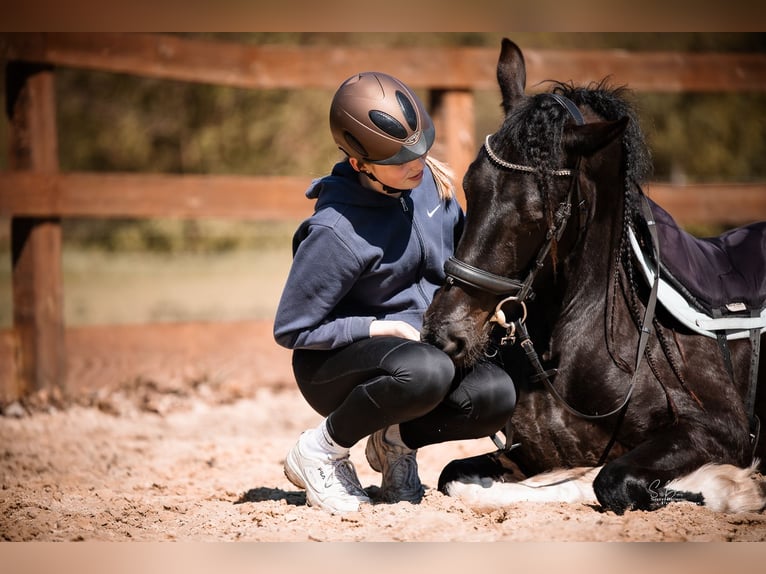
[535,127]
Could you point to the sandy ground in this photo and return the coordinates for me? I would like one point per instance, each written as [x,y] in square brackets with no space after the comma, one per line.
[203,462]
[160,460]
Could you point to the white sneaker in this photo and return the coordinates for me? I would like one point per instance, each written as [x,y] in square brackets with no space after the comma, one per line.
[329,484]
[399,467]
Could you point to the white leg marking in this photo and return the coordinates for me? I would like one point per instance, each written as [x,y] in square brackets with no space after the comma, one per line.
[563,485]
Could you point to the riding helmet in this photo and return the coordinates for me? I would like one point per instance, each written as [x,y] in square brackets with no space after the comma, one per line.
[378,119]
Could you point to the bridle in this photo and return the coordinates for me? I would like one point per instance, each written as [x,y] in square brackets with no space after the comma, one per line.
[518,292]
[513,290]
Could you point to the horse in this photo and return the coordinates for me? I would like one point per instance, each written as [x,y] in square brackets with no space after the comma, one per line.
[563,273]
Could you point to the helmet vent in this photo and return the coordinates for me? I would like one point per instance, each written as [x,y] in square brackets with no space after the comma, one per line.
[407,110]
[388,124]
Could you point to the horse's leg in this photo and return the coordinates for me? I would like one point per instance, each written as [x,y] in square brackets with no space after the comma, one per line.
[482,493]
[673,466]
[482,469]
[494,480]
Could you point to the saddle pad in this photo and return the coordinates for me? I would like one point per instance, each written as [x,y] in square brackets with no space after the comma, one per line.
[677,304]
[723,274]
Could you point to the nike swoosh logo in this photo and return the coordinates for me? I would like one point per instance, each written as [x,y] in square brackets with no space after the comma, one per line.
[431,212]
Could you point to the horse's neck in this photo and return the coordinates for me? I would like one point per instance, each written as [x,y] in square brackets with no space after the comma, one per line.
[592,265]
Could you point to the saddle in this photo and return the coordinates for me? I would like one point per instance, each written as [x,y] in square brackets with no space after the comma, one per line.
[713,284]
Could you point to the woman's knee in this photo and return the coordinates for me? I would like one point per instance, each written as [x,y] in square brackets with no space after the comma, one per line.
[488,394]
[423,372]
[501,391]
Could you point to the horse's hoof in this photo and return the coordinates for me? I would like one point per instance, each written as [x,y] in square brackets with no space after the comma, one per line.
[484,465]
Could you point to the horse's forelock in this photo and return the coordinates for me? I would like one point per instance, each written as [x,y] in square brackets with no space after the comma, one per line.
[534,128]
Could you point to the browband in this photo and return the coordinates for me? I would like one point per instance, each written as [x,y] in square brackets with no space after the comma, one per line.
[569,106]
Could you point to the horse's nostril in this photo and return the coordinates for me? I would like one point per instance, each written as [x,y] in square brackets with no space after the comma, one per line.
[445,341]
[454,347]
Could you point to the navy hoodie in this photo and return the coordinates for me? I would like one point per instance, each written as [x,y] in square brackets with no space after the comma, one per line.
[363,256]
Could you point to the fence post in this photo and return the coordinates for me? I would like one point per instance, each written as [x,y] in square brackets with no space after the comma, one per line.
[38,322]
[453,116]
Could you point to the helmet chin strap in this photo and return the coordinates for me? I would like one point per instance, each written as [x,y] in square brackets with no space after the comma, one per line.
[387,188]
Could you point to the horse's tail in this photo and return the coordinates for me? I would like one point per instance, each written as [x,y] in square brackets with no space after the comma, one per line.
[725,487]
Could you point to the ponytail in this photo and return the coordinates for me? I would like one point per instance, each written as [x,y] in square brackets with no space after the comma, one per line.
[443,176]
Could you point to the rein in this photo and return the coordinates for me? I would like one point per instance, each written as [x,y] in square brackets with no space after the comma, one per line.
[518,292]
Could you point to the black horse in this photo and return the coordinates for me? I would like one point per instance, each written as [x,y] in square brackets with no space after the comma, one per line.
[554,275]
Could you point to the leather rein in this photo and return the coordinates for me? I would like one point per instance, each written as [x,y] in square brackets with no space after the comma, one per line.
[518,292]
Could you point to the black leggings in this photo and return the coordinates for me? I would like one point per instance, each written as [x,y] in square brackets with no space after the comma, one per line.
[381,381]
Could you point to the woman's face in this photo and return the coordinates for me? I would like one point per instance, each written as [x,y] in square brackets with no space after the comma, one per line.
[402,176]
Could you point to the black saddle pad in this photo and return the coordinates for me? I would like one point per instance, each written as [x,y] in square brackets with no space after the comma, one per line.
[716,271]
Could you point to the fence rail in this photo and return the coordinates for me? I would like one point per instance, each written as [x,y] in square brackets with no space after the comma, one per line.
[446,68]
[41,354]
[281,197]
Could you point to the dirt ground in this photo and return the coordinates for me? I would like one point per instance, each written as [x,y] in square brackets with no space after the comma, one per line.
[190,458]
[203,462]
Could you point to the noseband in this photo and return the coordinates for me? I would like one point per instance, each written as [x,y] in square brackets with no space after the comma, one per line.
[513,290]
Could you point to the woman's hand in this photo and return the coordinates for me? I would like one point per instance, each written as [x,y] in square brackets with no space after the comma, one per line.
[395,329]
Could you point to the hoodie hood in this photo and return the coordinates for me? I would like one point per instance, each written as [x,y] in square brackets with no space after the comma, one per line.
[342,187]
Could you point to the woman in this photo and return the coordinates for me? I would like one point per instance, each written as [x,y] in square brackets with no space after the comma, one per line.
[365,268]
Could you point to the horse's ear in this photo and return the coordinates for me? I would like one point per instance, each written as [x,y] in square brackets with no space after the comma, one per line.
[511,73]
[587,139]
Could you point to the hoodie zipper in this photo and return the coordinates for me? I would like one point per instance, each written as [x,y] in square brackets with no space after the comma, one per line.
[421,243]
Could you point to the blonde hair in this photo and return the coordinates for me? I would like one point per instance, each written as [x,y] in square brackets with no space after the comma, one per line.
[443,176]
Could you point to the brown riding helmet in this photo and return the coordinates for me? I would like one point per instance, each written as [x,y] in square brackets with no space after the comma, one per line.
[376,118]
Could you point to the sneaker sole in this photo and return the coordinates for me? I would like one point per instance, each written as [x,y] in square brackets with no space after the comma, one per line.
[292,474]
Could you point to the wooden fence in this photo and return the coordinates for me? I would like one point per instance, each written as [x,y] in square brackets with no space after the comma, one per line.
[41,354]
